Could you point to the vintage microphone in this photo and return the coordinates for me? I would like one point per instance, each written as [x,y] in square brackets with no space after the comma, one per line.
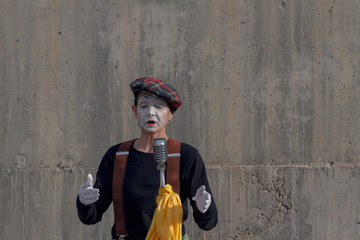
[161,156]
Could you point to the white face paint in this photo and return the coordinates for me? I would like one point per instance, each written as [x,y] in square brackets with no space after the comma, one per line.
[152,113]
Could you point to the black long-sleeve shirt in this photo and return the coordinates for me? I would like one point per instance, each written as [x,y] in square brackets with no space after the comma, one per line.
[141,185]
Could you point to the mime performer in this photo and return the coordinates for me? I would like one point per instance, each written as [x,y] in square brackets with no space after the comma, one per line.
[155,103]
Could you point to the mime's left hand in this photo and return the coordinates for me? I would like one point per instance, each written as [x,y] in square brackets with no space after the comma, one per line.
[203,199]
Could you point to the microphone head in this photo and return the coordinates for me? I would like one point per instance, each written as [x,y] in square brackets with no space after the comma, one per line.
[160,150]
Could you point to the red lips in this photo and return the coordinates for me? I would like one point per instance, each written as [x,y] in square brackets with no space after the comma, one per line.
[151,123]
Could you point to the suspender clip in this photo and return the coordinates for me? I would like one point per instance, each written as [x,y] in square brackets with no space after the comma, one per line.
[121,236]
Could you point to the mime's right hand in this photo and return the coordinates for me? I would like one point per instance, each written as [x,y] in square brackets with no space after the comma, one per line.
[88,194]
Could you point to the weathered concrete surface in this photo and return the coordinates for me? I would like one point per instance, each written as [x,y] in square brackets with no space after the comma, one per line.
[270,92]
[286,202]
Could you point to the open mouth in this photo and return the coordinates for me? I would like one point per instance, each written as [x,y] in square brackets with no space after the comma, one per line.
[151,123]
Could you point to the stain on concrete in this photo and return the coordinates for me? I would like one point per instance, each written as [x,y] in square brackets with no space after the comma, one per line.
[21,161]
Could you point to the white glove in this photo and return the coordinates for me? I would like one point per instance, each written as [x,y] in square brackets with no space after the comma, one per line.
[203,199]
[88,194]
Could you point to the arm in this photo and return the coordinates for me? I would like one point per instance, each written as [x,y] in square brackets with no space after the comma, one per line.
[93,211]
[196,177]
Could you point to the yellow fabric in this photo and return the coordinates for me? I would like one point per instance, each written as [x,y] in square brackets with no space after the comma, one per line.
[167,220]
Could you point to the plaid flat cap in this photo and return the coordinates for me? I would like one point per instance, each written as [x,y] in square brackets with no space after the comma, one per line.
[159,88]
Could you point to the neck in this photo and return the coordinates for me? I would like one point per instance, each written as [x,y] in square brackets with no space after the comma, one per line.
[145,142]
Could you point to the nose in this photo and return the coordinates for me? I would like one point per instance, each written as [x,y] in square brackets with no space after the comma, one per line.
[151,111]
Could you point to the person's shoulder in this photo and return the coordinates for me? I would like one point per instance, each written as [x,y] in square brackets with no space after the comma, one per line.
[189,155]
[187,146]
[187,149]
[111,152]
[113,149]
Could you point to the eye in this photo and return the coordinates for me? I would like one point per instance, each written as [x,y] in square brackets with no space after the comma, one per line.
[143,106]
[160,105]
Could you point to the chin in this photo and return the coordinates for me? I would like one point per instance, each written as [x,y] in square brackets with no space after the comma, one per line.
[151,131]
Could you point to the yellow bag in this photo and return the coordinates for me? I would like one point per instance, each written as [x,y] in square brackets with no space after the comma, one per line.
[167,220]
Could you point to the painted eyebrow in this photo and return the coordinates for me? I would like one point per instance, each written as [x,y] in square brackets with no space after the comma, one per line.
[145,96]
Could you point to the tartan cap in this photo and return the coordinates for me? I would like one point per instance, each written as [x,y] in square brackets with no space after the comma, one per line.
[158,88]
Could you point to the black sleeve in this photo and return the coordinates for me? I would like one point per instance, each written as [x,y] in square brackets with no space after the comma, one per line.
[194,176]
[91,214]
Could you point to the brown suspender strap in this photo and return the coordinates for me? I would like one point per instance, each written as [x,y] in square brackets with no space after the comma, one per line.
[118,185]
[173,165]
[172,178]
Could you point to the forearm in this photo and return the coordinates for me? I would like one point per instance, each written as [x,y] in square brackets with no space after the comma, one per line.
[208,220]
[87,214]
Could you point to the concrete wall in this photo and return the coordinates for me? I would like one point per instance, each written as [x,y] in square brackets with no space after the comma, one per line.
[271,100]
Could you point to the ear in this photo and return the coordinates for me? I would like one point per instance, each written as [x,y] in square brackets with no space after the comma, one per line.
[170,116]
[133,108]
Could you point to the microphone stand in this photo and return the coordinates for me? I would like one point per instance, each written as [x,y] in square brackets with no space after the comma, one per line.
[162,168]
